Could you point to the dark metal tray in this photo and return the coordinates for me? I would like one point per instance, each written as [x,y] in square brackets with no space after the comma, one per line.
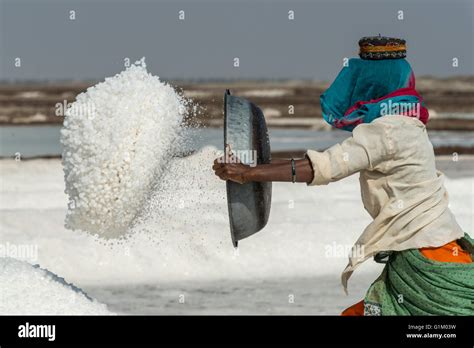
[246,132]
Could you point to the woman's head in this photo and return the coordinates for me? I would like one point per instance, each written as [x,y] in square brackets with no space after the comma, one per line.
[359,91]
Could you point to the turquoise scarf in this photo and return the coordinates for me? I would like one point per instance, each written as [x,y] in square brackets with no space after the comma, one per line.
[368,89]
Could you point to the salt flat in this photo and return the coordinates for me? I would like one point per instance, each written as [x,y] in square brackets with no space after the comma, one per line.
[181,244]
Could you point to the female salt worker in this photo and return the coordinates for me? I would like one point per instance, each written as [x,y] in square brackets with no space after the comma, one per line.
[429,268]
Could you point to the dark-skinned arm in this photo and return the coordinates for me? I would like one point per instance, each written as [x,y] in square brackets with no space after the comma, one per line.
[280,171]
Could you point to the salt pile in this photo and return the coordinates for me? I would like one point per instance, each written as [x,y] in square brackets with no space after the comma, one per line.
[117,138]
[35,291]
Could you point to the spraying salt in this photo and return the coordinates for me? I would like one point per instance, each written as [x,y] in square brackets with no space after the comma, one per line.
[117,138]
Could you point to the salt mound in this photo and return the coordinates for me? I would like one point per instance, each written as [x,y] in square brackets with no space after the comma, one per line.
[117,137]
[27,289]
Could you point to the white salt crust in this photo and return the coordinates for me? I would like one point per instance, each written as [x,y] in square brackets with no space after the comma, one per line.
[30,290]
[117,137]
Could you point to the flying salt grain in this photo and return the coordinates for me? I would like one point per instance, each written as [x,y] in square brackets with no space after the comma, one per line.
[116,138]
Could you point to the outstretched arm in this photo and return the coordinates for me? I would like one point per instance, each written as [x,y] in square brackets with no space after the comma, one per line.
[276,171]
[369,145]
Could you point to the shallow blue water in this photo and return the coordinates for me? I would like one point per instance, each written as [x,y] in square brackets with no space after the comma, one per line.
[38,141]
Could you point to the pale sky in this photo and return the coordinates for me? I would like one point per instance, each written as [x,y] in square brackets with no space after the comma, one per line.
[204,45]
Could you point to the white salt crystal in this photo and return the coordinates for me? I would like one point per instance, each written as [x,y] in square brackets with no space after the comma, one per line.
[117,138]
[30,290]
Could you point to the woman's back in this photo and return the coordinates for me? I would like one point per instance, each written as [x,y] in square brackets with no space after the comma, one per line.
[400,186]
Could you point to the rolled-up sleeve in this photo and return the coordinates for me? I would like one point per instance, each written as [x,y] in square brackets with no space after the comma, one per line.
[369,145]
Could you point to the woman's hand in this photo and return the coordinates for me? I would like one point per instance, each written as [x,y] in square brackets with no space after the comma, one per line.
[230,168]
[236,172]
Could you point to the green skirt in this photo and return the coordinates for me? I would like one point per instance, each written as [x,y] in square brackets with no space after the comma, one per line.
[411,284]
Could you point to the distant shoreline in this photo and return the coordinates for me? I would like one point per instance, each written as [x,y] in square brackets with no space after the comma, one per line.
[289,104]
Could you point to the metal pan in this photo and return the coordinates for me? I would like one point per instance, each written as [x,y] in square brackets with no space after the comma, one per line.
[246,132]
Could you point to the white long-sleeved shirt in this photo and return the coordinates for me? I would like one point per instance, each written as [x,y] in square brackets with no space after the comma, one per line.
[400,187]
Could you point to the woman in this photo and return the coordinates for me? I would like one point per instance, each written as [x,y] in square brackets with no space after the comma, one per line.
[429,266]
